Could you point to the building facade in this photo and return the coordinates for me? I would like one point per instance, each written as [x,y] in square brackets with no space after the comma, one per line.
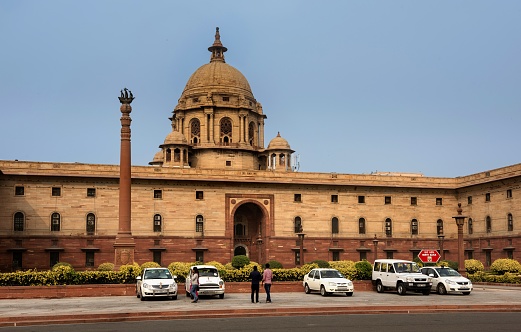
[213,190]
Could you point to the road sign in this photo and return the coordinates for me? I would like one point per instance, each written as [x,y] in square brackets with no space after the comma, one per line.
[429,256]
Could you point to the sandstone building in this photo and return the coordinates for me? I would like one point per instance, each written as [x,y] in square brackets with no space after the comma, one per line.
[214,190]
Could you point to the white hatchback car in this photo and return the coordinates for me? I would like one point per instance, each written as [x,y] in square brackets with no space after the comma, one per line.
[447,280]
[156,282]
[327,281]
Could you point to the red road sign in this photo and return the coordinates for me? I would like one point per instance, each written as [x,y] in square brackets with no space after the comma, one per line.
[429,256]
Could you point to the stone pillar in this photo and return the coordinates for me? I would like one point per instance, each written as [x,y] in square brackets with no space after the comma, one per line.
[124,244]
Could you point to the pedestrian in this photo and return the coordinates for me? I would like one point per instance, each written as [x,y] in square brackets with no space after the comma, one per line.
[267,275]
[194,281]
[256,278]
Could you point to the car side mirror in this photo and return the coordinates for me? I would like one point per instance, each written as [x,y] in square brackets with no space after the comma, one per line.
[138,278]
[431,275]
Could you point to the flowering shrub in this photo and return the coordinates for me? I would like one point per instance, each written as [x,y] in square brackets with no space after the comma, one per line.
[130,272]
[180,270]
[347,268]
[504,265]
[106,267]
[472,266]
[148,265]
[509,278]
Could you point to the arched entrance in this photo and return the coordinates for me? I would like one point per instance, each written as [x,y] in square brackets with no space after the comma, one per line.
[249,229]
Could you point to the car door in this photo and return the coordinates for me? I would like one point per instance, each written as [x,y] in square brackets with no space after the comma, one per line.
[314,280]
[435,277]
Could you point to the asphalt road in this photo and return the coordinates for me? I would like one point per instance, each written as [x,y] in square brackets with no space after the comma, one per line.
[473,322]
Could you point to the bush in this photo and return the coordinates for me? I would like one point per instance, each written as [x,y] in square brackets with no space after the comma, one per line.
[147,265]
[180,270]
[129,272]
[106,267]
[364,270]
[321,263]
[504,265]
[58,266]
[239,261]
[275,264]
[472,266]
[347,268]
[447,263]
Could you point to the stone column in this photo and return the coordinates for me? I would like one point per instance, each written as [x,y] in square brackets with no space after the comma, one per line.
[124,244]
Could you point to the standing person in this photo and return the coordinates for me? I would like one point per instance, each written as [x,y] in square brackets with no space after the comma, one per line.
[194,281]
[256,278]
[266,280]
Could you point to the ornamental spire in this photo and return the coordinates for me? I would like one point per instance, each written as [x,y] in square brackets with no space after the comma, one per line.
[217,48]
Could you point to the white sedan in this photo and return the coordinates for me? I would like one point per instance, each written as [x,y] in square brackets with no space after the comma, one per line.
[156,282]
[447,280]
[327,281]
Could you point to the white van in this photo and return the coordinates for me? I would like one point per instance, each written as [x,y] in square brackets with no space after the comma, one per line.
[401,275]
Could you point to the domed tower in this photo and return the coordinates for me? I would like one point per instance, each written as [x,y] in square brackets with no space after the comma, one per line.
[278,155]
[220,119]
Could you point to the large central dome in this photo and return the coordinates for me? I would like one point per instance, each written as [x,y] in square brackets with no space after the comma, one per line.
[217,77]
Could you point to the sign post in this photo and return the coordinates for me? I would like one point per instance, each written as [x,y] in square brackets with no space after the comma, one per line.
[429,256]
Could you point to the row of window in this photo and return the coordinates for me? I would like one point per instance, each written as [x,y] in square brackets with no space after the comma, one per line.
[487,197]
[414,225]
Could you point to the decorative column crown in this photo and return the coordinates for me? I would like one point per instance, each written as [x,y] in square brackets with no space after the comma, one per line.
[126,96]
[217,48]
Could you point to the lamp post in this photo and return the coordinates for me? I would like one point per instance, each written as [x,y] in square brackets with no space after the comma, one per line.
[375,244]
[441,238]
[460,221]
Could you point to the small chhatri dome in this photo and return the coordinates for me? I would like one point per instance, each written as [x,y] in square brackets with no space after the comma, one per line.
[278,143]
[158,157]
[217,77]
[175,137]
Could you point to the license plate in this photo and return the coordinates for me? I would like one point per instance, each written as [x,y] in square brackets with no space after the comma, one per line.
[421,285]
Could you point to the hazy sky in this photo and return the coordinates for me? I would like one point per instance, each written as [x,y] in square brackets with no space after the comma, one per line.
[353,86]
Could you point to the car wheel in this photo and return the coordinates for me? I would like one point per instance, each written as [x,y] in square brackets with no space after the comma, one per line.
[466,293]
[306,289]
[221,296]
[323,290]
[441,289]
[349,293]
[400,288]
[379,287]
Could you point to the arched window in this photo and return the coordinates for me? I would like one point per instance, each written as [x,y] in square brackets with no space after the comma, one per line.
[298,225]
[414,227]
[55,222]
[488,224]
[388,227]
[361,226]
[18,222]
[91,223]
[470,226]
[177,155]
[199,223]
[439,227]
[158,222]
[251,133]
[282,159]
[510,222]
[240,230]
[226,131]
[195,131]
[168,155]
[334,225]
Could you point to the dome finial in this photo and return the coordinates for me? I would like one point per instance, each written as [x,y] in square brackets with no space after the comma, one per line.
[217,48]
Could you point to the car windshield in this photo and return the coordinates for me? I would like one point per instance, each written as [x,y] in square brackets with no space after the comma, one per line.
[207,272]
[158,274]
[331,274]
[405,267]
[448,273]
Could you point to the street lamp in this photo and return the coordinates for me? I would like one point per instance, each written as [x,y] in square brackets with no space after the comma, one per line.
[301,241]
[375,244]
[441,238]
[460,220]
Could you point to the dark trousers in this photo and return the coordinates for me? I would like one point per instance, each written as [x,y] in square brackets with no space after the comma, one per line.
[255,290]
[267,288]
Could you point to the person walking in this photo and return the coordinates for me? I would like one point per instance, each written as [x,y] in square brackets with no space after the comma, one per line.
[256,278]
[267,275]
[194,281]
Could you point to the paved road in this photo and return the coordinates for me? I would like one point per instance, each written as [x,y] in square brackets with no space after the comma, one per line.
[130,308]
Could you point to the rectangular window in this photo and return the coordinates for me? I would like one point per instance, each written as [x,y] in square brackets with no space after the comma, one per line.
[363,255]
[91,192]
[228,163]
[158,194]
[439,201]
[387,199]
[19,190]
[390,255]
[56,191]
[156,256]
[199,256]
[487,197]
[509,193]
[297,257]
[336,256]
[334,198]
[361,199]
[89,258]
[17,259]
[199,195]
[414,200]
[226,98]
[54,257]
[297,198]
[469,200]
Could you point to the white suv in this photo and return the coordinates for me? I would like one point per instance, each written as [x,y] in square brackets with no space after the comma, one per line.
[401,275]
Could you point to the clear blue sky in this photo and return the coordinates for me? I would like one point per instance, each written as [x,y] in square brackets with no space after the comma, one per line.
[354,86]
